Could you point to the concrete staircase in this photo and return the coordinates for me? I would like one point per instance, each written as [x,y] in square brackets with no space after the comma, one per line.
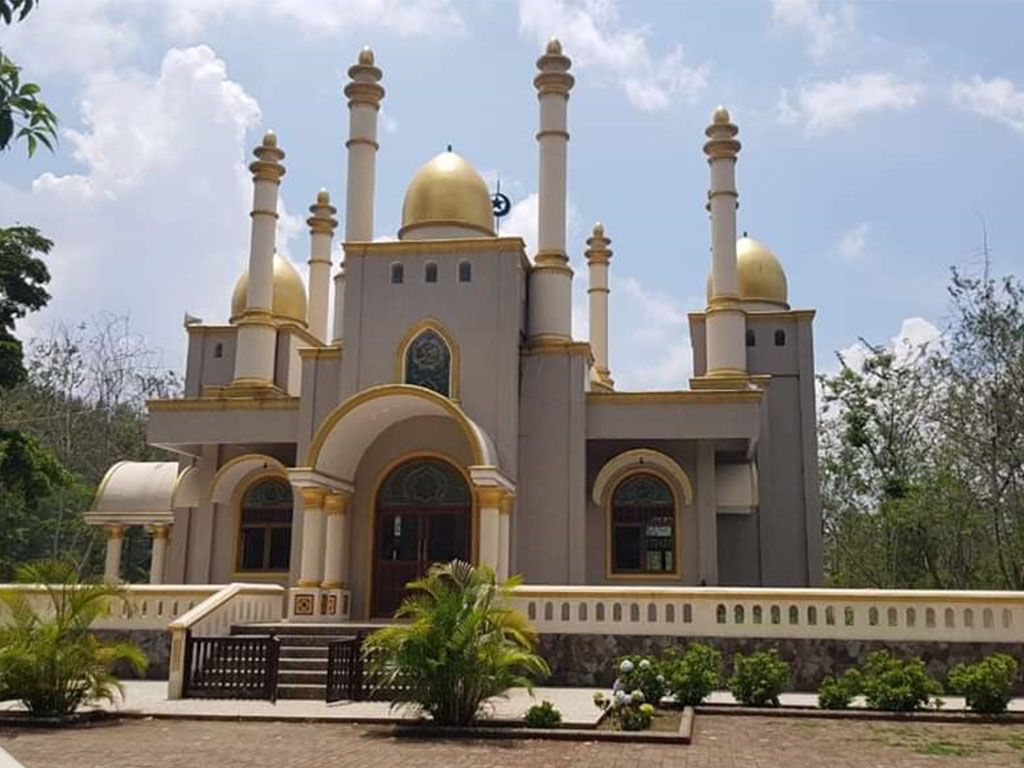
[302,673]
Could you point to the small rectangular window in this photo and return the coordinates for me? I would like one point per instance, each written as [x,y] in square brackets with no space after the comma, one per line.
[430,273]
[397,274]
[780,338]
[218,350]
[465,272]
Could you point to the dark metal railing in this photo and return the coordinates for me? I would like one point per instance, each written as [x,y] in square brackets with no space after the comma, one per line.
[231,667]
[350,673]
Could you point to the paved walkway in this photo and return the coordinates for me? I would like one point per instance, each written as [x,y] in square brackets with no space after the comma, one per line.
[719,742]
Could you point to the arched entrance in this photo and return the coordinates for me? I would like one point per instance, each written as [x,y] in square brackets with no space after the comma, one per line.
[423,516]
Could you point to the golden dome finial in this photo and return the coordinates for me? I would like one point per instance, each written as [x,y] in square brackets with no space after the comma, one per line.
[447,192]
[323,197]
[269,139]
[598,229]
[366,56]
[554,47]
[721,115]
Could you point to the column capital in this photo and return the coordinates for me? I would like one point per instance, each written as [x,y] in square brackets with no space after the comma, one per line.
[115,530]
[336,502]
[506,503]
[159,530]
[598,251]
[322,220]
[490,496]
[313,498]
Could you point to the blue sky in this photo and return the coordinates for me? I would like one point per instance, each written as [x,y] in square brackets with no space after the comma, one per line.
[876,137]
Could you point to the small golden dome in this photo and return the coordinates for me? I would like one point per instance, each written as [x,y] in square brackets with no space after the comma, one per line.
[761,277]
[598,230]
[289,293]
[721,115]
[323,197]
[554,47]
[366,56]
[269,139]
[447,192]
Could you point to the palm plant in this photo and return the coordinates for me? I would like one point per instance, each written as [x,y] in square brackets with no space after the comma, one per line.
[462,644]
[49,658]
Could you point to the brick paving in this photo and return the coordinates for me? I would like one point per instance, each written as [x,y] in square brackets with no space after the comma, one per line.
[719,741]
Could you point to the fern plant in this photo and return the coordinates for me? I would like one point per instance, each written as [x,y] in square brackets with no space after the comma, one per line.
[460,644]
[50,660]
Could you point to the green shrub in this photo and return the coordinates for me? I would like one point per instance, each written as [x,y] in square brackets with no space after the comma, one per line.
[49,659]
[459,644]
[643,673]
[895,685]
[628,711]
[837,693]
[759,678]
[986,684]
[694,674]
[543,715]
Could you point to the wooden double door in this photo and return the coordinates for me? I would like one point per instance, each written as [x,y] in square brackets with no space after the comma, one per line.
[423,512]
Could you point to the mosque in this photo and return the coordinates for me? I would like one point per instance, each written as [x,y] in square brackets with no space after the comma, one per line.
[446,411]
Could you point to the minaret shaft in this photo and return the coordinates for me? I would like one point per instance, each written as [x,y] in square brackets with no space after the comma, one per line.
[321,231]
[598,256]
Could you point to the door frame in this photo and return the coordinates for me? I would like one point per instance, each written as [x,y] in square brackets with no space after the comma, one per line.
[473,520]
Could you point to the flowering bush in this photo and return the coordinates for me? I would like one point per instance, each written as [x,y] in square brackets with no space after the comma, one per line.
[643,673]
[838,692]
[628,711]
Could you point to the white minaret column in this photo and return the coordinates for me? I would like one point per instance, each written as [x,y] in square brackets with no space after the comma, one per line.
[598,255]
[726,321]
[550,313]
[364,94]
[321,232]
[254,359]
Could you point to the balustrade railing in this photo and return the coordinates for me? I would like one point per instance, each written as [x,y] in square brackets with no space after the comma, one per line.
[897,615]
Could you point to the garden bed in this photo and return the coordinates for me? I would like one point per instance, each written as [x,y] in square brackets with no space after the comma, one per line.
[859,713]
[676,727]
[21,719]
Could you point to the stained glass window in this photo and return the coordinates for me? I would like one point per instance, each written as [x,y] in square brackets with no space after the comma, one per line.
[643,526]
[265,534]
[429,483]
[428,362]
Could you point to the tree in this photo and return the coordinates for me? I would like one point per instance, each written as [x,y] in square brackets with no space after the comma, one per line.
[22,114]
[22,277]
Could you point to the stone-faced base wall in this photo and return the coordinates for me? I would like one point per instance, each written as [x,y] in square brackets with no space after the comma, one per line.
[588,660]
[155,643]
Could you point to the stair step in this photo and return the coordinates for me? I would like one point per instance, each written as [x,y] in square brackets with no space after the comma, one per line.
[292,641]
[292,628]
[300,691]
[302,677]
[314,665]
[305,652]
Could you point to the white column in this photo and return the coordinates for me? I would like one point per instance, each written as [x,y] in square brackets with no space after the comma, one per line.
[339,305]
[726,322]
[598,255]
[112,564]
[364,94]
[336,541]
[158,554]
[257,337]
[321,232]
[550,311]
[504,542]
[311,563]
[489,535]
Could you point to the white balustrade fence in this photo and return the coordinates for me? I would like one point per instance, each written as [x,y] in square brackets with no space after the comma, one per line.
[896,615]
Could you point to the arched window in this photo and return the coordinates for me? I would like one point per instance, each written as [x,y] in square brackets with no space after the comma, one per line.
[465,271]
[430,272]
[780,338]
[397,273]
[751,340]
[428,362]
[643,526]
[265,527]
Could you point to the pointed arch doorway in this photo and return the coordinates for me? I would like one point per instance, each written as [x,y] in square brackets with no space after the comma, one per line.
[423,515]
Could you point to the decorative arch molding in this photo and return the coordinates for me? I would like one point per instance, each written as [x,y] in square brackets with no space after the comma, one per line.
[431,324]
[647,459]
[227,479]
[351,428]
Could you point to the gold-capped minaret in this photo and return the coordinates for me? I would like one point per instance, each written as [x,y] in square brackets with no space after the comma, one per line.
[598,256]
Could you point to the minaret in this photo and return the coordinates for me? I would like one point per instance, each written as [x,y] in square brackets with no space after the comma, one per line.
[321,231]
[598,255]
[364,94]
[257,336]
[726,322]
[550,316]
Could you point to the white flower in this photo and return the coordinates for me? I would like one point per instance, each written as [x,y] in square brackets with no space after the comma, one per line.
[620,697]
[626,666]
[645,664]
[618,685]
[661,678]
[638,696]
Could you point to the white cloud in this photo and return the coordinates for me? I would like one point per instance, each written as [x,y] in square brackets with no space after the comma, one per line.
[853,243]
[827,106]
[521,221]
[825,30]
[996,99]
[649,337]
[156,222]
[592,35]
[915,334]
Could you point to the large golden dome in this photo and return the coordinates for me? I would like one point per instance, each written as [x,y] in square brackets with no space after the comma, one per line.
[447,192]
[762,281]
[289,293]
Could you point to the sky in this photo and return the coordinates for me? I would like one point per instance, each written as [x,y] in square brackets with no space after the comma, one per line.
[883,143]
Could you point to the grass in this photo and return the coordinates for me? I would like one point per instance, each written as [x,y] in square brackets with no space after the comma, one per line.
[948,749]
